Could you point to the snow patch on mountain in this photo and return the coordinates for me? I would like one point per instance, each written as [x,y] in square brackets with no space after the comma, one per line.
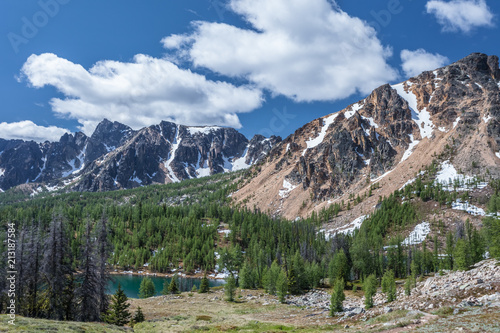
[422,118]
[467,207]
[455,123]
[319,139]
[171,157]
[418,235]
[450,178]
[287,188]
[355,108]
[202,129]
[410,149]
[347,229]
[76,164]
[487,119]
[240,163]
[2,172]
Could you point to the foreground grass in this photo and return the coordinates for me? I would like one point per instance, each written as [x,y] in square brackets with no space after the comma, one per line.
[23,324]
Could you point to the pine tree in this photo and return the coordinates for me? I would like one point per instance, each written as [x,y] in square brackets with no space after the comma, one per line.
[56,266]
[408,285]
[103,251]
[230,288]
[172,287]
[138,316]
[389,285]
[147,288]
[337,298]
[204,285]
[370,288]
[88,299]
[462,258]
[271,277]
[246,276]
[118,313]
[282,286]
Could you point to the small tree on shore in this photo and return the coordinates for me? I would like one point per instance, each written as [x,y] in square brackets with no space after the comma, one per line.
[117,313]
[204,285]
[230,288]
[147,288]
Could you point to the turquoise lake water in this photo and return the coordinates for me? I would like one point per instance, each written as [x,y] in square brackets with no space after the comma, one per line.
[130,284]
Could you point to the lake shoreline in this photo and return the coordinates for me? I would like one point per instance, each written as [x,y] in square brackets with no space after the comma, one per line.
[168,275]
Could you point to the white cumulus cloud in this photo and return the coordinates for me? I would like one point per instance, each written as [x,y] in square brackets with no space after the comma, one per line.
[418,61]
[29,131]
[139,93]
[461,15]
[307,50]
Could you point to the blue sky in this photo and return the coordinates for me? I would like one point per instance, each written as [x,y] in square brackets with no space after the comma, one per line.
[262,66]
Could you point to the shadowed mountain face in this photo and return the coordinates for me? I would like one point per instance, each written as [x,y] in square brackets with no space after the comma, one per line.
[117,157]
[396,129]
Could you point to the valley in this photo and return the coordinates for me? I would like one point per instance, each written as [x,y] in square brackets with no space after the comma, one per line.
[395,199]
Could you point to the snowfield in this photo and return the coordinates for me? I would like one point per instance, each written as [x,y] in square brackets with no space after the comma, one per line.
[448,174]
[410,149]
[319,139]
[287,188]
[466,207]
[422,118]
[418,235]
[347,229]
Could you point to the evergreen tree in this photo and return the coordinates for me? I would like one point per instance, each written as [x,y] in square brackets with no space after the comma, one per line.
[118,313]
[370,288]
[389,285]
[492,234]
[138,316]
[204,285]
[337,297]
[88,299]
[271,278]
[449,250]
[282,286]
[230,288]
[56,266]
[147,288]
[408,285]
[246,277]
[339,268]
[103,251]
[172,287]
[462,258]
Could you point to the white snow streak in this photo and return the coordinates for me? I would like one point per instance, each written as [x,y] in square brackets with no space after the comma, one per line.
[202,130]
[319,139]
[171,157]
[466,207]
[287,188]
[409,151]
[418,235]
[422,118]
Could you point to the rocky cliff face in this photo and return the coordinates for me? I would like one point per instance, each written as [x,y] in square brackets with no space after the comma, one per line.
[117,157]
[395,130]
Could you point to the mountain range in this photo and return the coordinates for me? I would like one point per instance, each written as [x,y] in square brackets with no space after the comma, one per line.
[386,139]
[118,157]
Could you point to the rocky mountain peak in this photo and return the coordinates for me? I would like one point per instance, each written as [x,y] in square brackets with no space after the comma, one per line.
[394,130]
